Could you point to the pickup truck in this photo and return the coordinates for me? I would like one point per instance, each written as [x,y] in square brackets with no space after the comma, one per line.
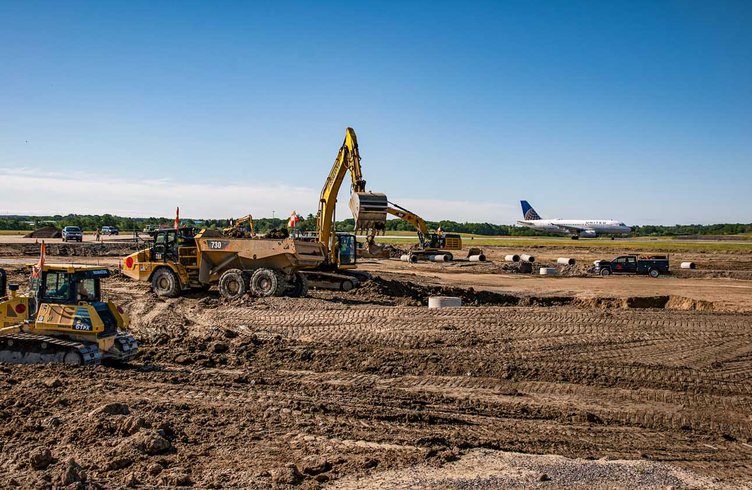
[72,233]
[632,264]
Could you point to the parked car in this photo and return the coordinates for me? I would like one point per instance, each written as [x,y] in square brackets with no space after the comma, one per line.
[110,230]
[632,264]
[72,233]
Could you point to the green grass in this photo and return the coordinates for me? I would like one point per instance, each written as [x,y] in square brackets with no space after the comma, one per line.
[632,244]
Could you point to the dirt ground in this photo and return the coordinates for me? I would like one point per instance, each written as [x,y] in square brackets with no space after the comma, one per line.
[567,382]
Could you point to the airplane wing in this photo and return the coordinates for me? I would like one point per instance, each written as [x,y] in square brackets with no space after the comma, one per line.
[574,229]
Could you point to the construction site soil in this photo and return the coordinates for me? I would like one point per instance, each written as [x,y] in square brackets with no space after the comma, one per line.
[371,389]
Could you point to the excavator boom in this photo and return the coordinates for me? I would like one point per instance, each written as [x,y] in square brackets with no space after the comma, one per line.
[368,208]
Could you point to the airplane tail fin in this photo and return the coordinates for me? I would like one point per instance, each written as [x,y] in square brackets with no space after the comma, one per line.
[528,212]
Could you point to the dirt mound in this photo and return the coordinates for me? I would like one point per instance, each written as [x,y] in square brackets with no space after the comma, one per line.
[407,293]
[662,302]
[45,232]
[102,249]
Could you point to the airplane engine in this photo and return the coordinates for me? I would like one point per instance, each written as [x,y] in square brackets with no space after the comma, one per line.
[588,234]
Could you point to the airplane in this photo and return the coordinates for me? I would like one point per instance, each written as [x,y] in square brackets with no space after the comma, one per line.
[577,228]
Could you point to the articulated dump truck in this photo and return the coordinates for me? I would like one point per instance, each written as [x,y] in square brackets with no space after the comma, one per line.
[179,261]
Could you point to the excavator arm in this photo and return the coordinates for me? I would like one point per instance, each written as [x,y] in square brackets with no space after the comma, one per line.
[412,218]
[236,231]
[368,208]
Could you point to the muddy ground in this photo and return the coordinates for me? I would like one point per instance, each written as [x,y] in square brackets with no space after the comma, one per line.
[370,389]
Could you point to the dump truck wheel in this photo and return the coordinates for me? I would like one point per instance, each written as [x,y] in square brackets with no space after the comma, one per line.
[299,288]
[266,282]
[165,283]
[233,284]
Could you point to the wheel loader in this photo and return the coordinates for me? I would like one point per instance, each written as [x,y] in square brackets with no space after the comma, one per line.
[64,319]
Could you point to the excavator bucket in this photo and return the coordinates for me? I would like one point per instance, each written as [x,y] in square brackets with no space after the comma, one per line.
[369,211]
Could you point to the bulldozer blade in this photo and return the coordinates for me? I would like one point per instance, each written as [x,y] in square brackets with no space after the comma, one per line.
[369,211]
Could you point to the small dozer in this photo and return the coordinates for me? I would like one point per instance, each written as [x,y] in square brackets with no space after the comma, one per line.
[63,320]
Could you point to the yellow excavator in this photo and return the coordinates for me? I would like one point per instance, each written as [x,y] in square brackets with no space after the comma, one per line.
[431,246]
[368,209]
[64,320]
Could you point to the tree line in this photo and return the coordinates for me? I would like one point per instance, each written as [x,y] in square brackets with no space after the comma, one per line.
[89,222]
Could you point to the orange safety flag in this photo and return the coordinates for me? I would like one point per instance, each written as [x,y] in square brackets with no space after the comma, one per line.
[177,217]
[36,272]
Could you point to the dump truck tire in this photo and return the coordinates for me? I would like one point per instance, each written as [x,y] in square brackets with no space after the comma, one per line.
[266,282]
[299,287]
[165,283]
[233,284]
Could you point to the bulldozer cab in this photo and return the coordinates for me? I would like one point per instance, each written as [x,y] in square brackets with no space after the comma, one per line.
[347,248]
[68,285]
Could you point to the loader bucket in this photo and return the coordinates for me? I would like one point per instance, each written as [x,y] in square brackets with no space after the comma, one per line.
[369,211]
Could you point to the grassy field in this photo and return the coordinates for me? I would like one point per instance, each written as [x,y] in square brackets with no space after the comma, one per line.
[635,244]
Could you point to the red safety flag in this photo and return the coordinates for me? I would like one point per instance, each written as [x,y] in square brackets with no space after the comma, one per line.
[177,217]
[293,221]
[36,272]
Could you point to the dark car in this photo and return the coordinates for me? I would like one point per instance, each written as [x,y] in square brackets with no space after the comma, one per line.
[632,264]
[72,233]
[110,230]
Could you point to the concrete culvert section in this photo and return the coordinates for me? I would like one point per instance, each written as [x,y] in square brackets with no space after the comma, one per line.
[444,302]
[409,258]
[548,271]
[512,258]
[527,258]
[566,261]
[477,258]
[688,265]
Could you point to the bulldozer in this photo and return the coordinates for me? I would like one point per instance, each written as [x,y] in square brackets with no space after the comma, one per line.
[63,320]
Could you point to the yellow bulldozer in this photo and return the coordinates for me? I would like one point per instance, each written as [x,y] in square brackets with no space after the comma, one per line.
[64,319]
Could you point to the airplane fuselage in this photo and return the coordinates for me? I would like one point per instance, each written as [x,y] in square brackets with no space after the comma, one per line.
[581,227]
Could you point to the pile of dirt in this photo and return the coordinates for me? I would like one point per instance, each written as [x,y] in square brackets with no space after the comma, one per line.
[663,302]
[85,249]
[45,232]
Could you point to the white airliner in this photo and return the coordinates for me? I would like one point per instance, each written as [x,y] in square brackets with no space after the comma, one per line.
[585,228]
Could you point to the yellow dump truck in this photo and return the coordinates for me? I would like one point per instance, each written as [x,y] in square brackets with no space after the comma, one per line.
[178,261]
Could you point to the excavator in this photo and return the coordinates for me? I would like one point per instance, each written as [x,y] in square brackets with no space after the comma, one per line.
[368,209]
[430,245]
[63,320]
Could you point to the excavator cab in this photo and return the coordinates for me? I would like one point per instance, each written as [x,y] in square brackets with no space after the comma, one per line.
[347,249]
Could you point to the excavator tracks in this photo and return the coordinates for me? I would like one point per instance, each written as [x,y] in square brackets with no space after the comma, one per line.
[25,348]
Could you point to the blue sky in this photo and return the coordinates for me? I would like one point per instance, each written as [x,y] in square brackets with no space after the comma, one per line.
[639,111]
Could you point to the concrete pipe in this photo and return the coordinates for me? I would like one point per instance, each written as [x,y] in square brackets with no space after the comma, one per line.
[444,302]
[565,261]
[409,258]
[512,258]
[527,258]
[438,258]
[688,265]
[548,271]
[477,258]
